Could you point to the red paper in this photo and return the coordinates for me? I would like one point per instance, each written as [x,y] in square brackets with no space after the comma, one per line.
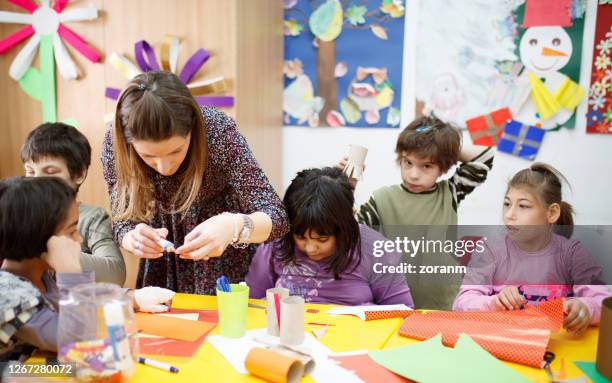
[518,336]
[173,347]
[599,113]
[376,315]
[541,13]
[487,129]
[368,370]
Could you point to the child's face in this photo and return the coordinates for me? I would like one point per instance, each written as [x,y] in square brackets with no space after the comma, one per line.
[525,216]
[316,247]
[164,156]
[419,174]
[51,167]
[68,228]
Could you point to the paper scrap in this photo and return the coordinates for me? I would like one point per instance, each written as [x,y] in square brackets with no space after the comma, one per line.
[360,311]
[174,328]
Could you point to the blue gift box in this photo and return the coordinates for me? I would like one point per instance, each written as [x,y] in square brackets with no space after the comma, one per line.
[521,140]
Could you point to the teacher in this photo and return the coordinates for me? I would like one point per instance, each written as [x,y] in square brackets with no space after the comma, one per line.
[179,172]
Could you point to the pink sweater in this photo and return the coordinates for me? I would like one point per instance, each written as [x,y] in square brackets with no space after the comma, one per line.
[564,268]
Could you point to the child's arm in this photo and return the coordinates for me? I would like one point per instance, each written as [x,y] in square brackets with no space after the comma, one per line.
[592,296]
[261,275]
[477,161]
[477,292]
[368,214]
[387,288]
[474,298]
[105,258]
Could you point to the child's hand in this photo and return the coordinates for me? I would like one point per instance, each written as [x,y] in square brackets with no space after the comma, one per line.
[144,241]
[509,298]
[342,164]
[63,254]
[577,315]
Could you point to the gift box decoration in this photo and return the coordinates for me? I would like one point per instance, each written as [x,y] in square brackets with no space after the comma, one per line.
[521,140]
[487,129]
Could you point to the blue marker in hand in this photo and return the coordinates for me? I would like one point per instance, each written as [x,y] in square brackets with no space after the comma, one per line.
[168,246]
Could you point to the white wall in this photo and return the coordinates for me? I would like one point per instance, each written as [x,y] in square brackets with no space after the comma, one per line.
[586,160]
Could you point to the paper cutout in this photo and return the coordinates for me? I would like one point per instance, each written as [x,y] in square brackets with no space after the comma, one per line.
[355,162]
[326,21]
[361,311]
[521,140]
[320,333]
[431,362]
[569,94]
[174,328]
[146,60]
[273,367]
[540,13]
[487,129]
[519,336]
[367,369]
[545,103]
[590,370]
[47,30]
[599,114]
[153,345]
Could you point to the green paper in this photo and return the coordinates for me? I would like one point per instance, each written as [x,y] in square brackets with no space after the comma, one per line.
[326,21]
[40,84]
[431,362]
[350,110]
[590,370]
[232,308]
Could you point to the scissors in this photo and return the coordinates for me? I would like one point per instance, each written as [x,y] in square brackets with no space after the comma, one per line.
[548,358]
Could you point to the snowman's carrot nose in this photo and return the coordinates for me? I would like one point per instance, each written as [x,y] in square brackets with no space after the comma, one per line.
[552,52]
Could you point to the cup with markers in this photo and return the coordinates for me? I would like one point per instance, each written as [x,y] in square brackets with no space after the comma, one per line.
[232,303]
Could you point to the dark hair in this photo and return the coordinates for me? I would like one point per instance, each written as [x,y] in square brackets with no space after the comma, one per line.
[56,139]
[544,182]
[322,200]
[156,106]
[31,211]
[428,136]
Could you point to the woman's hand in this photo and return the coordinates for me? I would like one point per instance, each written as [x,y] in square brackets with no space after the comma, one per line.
[63,254]
[577,315]
[509,298]
[144,241]
[210,238]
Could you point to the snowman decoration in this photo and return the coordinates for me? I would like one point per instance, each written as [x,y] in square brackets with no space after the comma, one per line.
[546,48]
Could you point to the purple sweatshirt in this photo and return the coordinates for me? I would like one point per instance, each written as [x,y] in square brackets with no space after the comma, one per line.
[564,268]
[311,279]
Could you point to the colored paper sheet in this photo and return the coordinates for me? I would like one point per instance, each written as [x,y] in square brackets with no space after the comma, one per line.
[519,336]
[487,129]
[40,84]
[154,345]
[365,312]
[368,370]
[174,328]
[431,362]
[590,370]
[599,114]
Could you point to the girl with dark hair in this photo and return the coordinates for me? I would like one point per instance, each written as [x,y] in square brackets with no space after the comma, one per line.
[40,248]
[536,261]
[327,257]
[183,174]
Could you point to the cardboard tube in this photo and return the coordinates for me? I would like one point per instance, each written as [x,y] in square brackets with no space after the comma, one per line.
[272,319]
[604,345]
[273,367]
[356,159]
[292,321]
[307,361]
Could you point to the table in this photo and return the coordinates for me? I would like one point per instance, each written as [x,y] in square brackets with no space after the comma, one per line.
[349,333]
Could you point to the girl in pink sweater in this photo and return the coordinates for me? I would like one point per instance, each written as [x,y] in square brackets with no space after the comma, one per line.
[536,260]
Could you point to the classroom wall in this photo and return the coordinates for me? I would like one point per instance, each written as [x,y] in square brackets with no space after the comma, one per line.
[584,159]
[245,42]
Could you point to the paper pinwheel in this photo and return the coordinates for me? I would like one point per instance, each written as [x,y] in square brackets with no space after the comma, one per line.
[46,31]
[146,60]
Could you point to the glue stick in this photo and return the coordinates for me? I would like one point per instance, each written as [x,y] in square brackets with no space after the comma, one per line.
[115,323]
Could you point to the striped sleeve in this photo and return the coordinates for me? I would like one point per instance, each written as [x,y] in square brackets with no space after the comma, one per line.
[469,175]
[368,214]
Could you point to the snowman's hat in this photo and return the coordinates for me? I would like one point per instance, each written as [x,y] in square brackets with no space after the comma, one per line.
[541,13]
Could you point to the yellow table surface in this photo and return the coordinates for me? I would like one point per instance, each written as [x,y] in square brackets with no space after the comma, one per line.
[349,333]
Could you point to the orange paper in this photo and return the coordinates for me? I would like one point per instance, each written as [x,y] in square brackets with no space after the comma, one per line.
[175,328]
[273,367]
[519,336]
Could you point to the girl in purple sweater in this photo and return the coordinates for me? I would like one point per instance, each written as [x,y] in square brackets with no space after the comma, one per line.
[536,260]
[327,256]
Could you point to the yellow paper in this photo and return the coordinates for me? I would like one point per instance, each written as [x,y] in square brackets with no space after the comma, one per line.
[569,94]
[545,103]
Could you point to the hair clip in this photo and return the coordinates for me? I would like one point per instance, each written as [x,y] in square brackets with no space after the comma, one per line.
[424,129]
[142,86]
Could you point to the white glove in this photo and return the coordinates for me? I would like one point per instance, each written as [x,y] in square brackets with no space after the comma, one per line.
[151,299]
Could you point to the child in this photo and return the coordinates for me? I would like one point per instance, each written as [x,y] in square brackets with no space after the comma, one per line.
[426,149]
[327,256]
[533,262]
[40,249]
[60,150]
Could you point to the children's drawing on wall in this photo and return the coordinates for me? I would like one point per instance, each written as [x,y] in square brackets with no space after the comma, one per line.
[343,62]
[599,115]
[519,55]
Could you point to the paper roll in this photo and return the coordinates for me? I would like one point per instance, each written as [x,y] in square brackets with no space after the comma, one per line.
[354,164]
[273,366]
[272,309]
[604,345]
[306,359]
[292,321]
